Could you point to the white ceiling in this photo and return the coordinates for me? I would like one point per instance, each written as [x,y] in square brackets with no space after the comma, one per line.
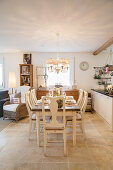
[31,25]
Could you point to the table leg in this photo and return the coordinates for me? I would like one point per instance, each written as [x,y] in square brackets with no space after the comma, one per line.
[38,129]
[74,128]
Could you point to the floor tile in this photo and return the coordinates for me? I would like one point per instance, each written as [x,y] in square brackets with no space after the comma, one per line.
[94,152]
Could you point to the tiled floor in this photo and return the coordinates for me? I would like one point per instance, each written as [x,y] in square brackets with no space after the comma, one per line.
[93,153]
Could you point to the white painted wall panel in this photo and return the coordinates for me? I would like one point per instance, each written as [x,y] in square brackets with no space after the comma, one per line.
[84,79]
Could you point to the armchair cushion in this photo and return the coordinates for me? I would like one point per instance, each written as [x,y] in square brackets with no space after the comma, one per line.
[10,107]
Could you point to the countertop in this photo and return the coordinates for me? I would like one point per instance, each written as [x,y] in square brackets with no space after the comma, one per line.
[102,92]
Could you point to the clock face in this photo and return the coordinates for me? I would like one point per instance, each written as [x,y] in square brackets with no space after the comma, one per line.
[84,65]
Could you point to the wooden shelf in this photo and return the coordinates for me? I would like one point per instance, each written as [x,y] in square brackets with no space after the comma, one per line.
[26,75]
[97,67]
[105,78]
[25,64]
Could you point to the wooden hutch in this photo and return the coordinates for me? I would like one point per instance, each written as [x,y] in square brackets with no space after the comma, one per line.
[26,75]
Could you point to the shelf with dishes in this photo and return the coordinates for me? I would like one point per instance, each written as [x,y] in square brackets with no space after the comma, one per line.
[26,75]
[102,76]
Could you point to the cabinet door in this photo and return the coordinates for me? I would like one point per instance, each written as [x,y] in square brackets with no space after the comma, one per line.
[101,105]
[93,100]
[108,109]
[96,104]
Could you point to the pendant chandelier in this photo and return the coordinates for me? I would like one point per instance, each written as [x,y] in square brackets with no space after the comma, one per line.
[59,64]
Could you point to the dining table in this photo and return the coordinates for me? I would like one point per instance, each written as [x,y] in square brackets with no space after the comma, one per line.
[70,111]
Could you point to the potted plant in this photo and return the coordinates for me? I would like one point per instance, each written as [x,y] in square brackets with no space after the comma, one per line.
[60,103]
[107,65]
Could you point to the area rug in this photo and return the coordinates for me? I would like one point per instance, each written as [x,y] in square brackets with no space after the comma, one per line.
[4,123]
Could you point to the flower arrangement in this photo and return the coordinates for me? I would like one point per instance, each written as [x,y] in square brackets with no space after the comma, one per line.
[60,103]
[55,93]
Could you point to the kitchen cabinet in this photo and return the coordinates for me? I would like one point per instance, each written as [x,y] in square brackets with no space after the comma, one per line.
[103,105]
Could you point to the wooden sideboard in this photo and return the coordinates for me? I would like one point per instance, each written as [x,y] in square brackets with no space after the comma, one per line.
[41,93]
[74,93]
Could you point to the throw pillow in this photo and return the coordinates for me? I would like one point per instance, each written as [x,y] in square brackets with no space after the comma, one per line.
[16,100]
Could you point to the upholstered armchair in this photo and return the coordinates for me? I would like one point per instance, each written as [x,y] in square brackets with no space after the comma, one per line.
[16,111]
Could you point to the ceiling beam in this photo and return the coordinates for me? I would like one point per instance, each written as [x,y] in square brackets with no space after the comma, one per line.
[104,46]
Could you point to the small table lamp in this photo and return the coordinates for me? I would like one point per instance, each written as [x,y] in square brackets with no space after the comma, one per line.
[12,80]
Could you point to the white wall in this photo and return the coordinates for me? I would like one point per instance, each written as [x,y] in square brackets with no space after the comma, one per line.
[84,79]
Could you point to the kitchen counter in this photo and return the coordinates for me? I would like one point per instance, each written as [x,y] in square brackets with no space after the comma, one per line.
[102,92]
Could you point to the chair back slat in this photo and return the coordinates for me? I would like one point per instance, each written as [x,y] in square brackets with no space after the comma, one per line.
[84,104]
[28,104]
[33,98]
[54,110]
[79,102]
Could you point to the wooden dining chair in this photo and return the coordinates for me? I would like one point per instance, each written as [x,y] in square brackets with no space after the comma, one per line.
[80,114]
[39,122]
[79,103]
[32,114]
[54,126]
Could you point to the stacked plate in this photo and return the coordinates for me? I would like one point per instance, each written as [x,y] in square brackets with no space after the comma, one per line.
[70,101]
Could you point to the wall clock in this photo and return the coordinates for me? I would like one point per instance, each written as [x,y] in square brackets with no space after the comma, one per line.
[84,65]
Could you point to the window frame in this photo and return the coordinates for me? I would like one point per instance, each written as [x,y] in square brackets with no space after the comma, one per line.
[63,85]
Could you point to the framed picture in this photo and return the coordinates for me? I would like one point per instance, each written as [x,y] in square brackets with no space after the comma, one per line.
[27,58]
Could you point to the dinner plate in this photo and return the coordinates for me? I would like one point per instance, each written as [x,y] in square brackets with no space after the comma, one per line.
[70,101]
[40,101]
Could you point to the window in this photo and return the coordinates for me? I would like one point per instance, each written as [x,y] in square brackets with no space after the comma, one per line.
[1,72]
[60,78]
